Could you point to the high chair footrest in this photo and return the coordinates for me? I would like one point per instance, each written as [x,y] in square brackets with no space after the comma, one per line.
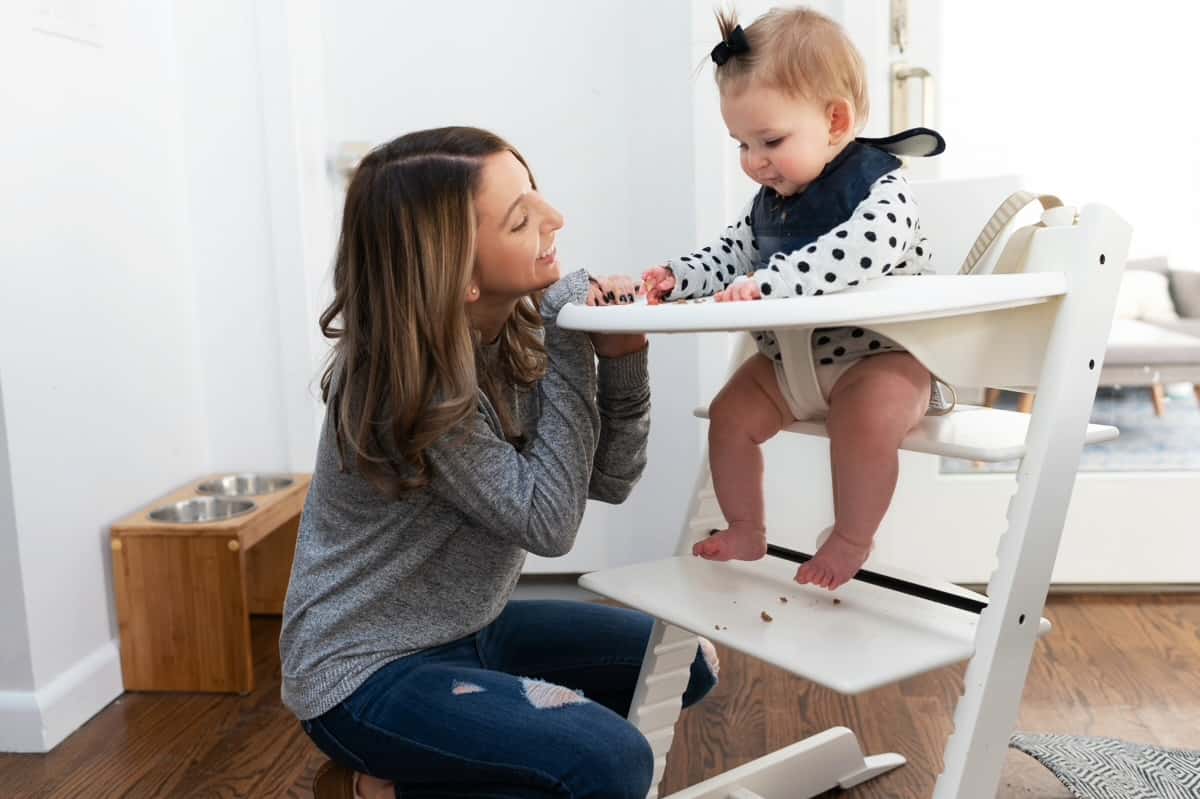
[853,640]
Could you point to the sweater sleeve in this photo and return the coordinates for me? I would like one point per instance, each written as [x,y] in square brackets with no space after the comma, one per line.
[713,267]
[534,497]
[623,399]
[872,243]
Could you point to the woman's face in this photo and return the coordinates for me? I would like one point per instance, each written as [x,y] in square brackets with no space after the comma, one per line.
[515,251]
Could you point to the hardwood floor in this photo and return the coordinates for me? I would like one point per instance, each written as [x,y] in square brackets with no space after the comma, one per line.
[1121,666]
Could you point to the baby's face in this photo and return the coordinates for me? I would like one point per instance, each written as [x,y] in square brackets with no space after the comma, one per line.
[785,141]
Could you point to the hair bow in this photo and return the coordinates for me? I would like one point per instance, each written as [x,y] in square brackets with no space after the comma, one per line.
[735,44]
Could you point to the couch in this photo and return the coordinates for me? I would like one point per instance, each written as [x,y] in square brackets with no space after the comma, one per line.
[1155,339]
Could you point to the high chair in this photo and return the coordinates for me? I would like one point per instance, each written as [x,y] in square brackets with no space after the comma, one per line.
[1040,319]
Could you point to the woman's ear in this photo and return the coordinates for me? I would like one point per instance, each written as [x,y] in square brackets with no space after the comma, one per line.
[839,114]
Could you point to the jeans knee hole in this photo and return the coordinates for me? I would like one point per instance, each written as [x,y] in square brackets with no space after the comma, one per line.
[548,696]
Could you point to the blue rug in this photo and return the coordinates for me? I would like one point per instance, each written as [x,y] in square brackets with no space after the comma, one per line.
[1147,443]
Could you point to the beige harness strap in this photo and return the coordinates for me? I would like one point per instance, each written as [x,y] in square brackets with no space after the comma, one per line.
[1004,215]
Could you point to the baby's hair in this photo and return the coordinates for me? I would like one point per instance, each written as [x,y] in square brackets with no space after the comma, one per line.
[800,52]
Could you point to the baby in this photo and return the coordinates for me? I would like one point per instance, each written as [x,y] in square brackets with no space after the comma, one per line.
[833,212]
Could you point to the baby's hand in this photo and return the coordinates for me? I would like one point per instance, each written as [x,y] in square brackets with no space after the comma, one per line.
[739,291]
[658,282]
[612,290]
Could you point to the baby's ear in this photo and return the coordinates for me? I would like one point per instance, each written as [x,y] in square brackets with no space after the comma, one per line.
[839,114]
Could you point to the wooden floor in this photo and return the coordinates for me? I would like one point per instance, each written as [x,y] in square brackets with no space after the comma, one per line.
[1122,666]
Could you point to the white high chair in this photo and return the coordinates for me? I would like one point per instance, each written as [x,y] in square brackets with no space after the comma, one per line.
[1042,322]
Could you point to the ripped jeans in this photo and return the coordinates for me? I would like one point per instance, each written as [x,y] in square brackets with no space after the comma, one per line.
[533,705]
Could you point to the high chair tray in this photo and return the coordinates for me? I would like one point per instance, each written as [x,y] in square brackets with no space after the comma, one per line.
[969,432]
[879,301]
[853,640]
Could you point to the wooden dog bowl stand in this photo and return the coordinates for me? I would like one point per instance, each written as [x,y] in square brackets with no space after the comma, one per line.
[185,592]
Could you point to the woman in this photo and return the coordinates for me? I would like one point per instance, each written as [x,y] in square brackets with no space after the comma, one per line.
[463,429]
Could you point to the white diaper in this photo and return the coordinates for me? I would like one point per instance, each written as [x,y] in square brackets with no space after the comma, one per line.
[809,401]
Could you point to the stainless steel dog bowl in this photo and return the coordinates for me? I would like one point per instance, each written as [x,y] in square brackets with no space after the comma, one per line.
[202,509]
[245,485]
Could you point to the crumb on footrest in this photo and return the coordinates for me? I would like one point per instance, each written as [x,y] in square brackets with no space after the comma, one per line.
[766,616]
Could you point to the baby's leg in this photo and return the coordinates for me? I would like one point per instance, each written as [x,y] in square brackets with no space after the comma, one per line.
[872,408]
[749,410]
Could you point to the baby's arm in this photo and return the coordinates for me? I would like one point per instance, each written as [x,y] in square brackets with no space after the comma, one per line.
[872,243]
[713,267]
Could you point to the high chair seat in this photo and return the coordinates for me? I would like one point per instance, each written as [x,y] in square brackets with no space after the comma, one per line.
[970,432]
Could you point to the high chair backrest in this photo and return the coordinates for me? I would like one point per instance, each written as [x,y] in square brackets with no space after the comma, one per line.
[1006,348]
[1012,257]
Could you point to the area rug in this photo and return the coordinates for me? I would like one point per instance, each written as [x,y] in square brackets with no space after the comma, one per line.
[1148,443]
[1107,768]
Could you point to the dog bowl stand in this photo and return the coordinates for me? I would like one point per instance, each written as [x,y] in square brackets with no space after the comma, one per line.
[185,592]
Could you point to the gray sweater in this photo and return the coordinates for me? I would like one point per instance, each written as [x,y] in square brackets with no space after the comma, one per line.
[377,579]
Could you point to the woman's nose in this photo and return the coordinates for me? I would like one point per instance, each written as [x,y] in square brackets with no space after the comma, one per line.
[551,218]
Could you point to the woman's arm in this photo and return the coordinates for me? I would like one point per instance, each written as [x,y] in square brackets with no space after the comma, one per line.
[623,399]
[534,498]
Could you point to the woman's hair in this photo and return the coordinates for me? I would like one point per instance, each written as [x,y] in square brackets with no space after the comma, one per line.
[799,52]
[406,367]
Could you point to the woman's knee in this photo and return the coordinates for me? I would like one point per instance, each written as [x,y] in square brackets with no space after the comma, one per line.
[704,676]
[618,763]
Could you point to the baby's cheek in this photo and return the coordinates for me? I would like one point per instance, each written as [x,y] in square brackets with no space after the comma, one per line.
[799,168]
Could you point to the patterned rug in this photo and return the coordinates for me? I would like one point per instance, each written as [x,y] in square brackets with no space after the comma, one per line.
[1147,443]
[1106,768]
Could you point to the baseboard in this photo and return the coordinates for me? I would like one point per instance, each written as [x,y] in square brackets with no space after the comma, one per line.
[38,721]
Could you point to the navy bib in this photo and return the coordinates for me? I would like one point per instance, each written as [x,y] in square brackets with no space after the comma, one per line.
[785,224]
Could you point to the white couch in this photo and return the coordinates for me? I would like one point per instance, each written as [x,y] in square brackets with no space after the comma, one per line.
[1155,337]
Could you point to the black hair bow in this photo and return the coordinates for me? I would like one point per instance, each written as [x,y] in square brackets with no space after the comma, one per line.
[736,44]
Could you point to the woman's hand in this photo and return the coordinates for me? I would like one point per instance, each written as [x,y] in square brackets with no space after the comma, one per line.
[658,282]
[612,290]
[615,290]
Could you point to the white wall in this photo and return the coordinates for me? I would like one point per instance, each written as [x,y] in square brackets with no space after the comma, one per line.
[142,337]
[16,668]
[237,333]
[102,403]
[303,222]
[1091,101]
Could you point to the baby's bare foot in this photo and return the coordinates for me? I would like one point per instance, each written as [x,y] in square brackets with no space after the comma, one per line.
[836,561]
[742,541]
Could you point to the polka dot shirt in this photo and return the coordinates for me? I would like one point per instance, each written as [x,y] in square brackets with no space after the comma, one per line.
[882,238]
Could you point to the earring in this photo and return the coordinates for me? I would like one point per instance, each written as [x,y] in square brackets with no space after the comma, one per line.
[474,291]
